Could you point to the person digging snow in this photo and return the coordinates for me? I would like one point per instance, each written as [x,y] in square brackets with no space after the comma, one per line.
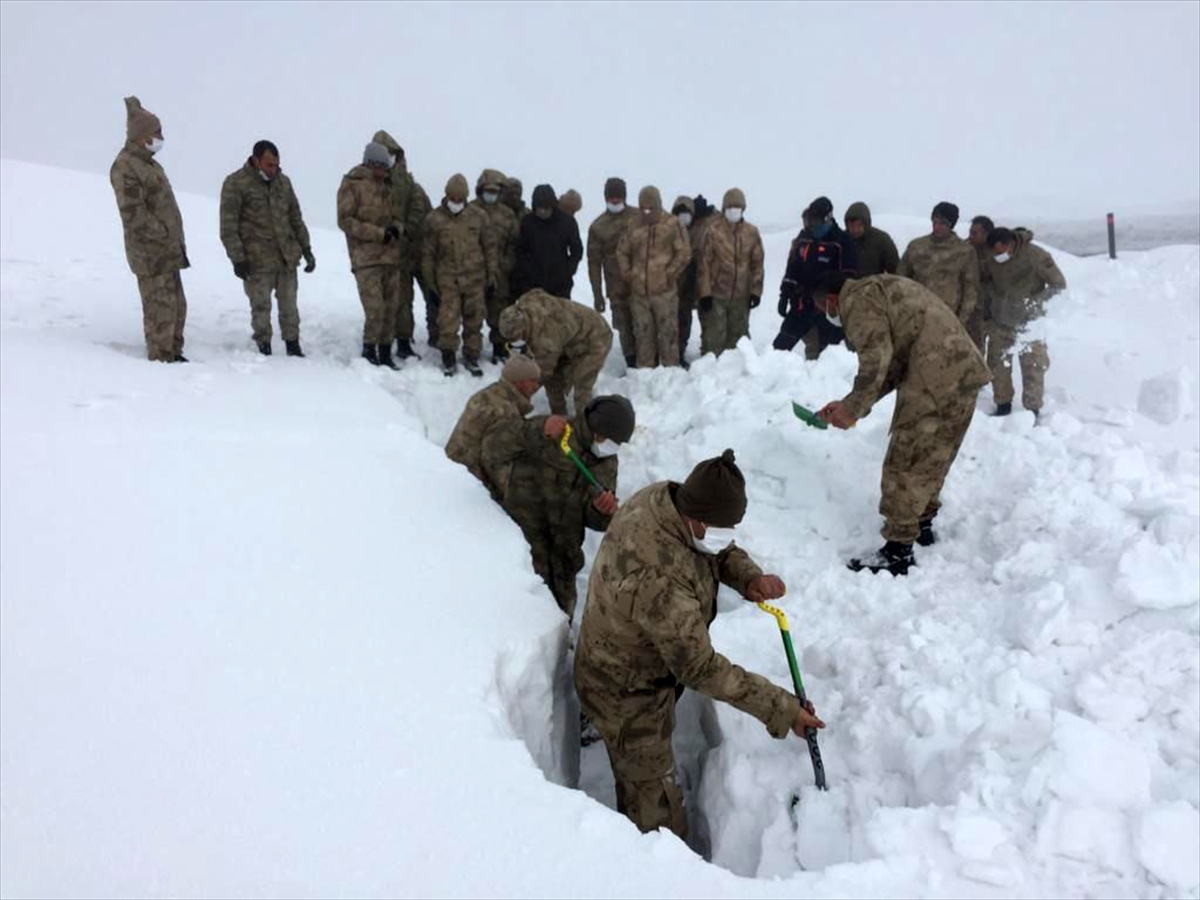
[908,341]
[644,637]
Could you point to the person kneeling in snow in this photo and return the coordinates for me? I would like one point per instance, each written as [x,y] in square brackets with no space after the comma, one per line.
[547,493]
[506,399]
[909,341]
[651,596]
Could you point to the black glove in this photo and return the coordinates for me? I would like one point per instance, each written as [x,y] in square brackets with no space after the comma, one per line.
[241,269]
[754,301]
[391,233]
[705,304]
[784,302]
[309,259]
[788,291]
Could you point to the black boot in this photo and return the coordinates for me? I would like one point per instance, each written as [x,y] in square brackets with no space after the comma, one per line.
[385,357]
[499,354]
[369,354]
[449,366]
[927,538]
[1003,409]
[892,557]
[471,364]
[293,348]
[683,363]
[264,347]
[404,348]
[631,362]
[179,357]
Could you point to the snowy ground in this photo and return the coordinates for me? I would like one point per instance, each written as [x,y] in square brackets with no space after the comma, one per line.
[260,638]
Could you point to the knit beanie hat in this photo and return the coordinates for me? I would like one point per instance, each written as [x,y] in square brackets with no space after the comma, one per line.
[457,188]
[946,210]
[571,202]
[377,154]
[520,368]
[612,416]
[139,123]
[734,198]
[715,493]
[614,188]
[649,198]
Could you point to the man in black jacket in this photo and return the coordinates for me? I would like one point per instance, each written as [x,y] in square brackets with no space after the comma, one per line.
[821,247]
[548,247]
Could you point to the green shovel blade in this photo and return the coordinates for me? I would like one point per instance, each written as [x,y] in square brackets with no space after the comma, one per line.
[808,417]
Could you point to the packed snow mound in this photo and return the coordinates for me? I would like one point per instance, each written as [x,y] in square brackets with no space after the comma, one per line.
[260,638]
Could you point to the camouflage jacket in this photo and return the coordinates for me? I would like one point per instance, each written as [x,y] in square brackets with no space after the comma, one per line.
[544,488]
[497,401]
[983,255]
[364,211]
[651,597]
[697,234]
[406,207]
[1021,286]
[261,221]
[602,238]
[560,329]
[731,266]
[458,252]
[908,341]
[154,243]
[652,253]
[502,222]
[419,210]
[948,267]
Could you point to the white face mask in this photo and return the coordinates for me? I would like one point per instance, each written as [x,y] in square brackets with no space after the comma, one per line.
[519,346]
[605,448]
[733,215]
[391,160]
[455,207]
[835,321]
[714,541]
[263,175]
[615,207]
[155,144]
[490,197]
[1002,257]
[685,219]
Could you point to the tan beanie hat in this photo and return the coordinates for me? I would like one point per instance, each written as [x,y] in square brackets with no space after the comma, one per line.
[457,188]
[733,198]
[520,368]
[570,202]
[649,198]
[139,123]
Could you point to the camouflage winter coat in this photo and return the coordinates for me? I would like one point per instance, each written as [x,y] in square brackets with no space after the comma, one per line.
[1021,286]
[458,252]
[908,341]
[364,211]
[494,403]
[154,243]
[560,329]
[651,597]
[731,266]
[603,236]
[947,266]
[503,224]
[688,279]
[406,205]
[652,254]
[261,221]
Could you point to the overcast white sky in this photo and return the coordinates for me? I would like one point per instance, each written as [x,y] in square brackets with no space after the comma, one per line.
[1042,108]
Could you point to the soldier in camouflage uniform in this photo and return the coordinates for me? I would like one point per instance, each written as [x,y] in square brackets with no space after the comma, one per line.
[729,277]
[652,254]
[504,234]
[264,235]
[877,253]
[511,197]
[508,398]
[154,244]
[651,597]
[977,237]
[603,236]
[547,495]
[910,342]
[569,341]
[460,262]
[1022,277]
[944,263]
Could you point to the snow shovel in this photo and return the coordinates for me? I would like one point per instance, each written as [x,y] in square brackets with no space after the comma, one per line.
[810,734]
[808,417]
[570,454]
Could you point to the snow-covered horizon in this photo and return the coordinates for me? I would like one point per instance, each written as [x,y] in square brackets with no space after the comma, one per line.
[260,638]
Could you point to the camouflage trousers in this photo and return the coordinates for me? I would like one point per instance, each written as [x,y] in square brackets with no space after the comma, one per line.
[637,730]
[577,374]
[724,325]
[463,307]
[1034,358]
[926,436]
[496,304]
[686,308]
[164,312]
[379,291]
[258,289]
[622,321]
[557,557]
[977,327]
[404,308]
[656,329]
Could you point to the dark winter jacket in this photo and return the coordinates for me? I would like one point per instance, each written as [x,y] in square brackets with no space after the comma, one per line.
[810,258]
[877,253]
[548,252]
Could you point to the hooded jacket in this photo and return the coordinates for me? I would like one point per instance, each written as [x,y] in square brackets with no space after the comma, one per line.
[654,251]
[556,329]
[877,253]
[154,243]
[1020,287]
[548,250]
[731,264]
[365,210]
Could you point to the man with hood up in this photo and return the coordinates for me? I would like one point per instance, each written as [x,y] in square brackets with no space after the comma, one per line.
[548,247]
[154,244]
[877,253]
[503,224]
[512,197]
[730,276]
[604,235]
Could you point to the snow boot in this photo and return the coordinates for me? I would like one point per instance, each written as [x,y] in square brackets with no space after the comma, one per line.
[264,347]
[293,349]
[1003,409]
[449,366]
[892,557]
[369,354]
[404,349]
[471,364]
[927,538]
[179,357]
[499,354]
[385,357]
[631,362]
[684,364]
